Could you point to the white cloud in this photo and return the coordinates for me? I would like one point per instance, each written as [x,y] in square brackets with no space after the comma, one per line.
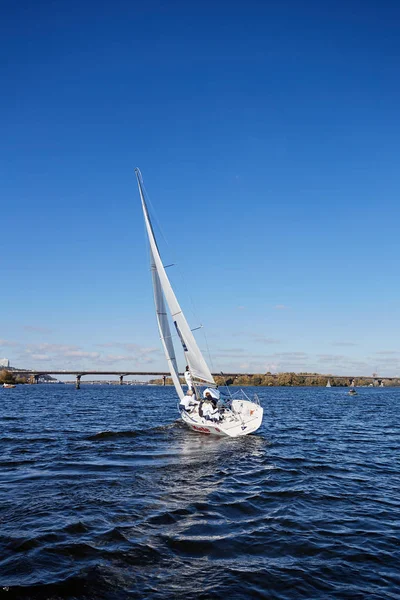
[291,355]
[115,358]
[8,343]
[388,360]
[35,329]
[230,351]
[262,339]
[130,360]
[243,361]
[135,348]
[70,356]
[82,354]
[257,337]
[334,358]
[53,348]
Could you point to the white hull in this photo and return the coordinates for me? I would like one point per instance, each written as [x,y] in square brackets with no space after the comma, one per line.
[244,418]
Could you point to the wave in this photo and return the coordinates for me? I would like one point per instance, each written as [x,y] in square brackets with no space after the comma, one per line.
[131,433]
[107,435]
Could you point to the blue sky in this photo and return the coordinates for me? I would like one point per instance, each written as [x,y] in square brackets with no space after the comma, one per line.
[268,138]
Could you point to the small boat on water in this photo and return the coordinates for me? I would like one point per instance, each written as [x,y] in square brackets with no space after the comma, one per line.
[352,390]
[328,385]
[235,417]
[8,385]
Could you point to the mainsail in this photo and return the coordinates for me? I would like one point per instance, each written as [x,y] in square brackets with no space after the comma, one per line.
[163,326]
[162,288]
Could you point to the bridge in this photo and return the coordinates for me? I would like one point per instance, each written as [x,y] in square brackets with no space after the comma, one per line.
[36,374]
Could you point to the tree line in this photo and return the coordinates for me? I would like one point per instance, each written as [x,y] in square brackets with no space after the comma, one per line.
[289,379]
[10,377]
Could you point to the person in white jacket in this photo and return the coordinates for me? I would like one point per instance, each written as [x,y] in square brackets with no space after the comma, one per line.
[188,378]
[210,413]
[188,402]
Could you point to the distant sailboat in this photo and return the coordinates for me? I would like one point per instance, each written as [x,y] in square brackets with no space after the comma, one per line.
[352,390]
[240,416]
[329,383]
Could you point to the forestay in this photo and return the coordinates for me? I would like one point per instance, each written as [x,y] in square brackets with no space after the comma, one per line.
[161,284]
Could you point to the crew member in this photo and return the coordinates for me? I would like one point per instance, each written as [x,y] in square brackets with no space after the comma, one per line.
[188,378]
[188,402]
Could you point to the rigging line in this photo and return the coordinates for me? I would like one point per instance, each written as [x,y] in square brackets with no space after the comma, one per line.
[226,385]
[208,352]
[165,267]
[193,310]
[154,218]
[147,244]
[169,337]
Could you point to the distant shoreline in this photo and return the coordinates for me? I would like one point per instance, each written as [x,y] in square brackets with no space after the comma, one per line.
[296,380]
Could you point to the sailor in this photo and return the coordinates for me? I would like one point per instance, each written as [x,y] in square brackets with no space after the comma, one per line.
[210,405]
[211,400]
[212,395]
[215,415]
[188,402]
[206,409]
[188,378]
[210,413]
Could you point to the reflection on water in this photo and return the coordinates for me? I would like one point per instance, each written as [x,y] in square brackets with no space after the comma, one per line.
[104,494]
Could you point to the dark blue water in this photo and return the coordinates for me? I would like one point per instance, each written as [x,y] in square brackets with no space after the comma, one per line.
[104,494]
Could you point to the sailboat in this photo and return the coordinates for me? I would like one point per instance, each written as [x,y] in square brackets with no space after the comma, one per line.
[328,383]
[237,417]
[352,390]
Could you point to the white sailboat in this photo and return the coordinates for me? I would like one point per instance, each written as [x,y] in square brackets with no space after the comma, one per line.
[352,390]
[328,383]
[240,416]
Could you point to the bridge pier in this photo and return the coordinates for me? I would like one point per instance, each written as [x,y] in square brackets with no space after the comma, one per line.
[121,380]
[78,382]
[164,379]
[36,378]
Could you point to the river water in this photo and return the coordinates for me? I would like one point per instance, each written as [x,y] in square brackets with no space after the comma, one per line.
[104,494]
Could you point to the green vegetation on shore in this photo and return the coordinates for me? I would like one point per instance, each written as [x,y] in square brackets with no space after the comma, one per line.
[9,377]
[292,379]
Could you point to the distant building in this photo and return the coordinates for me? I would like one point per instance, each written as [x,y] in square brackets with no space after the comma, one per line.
[4,362]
